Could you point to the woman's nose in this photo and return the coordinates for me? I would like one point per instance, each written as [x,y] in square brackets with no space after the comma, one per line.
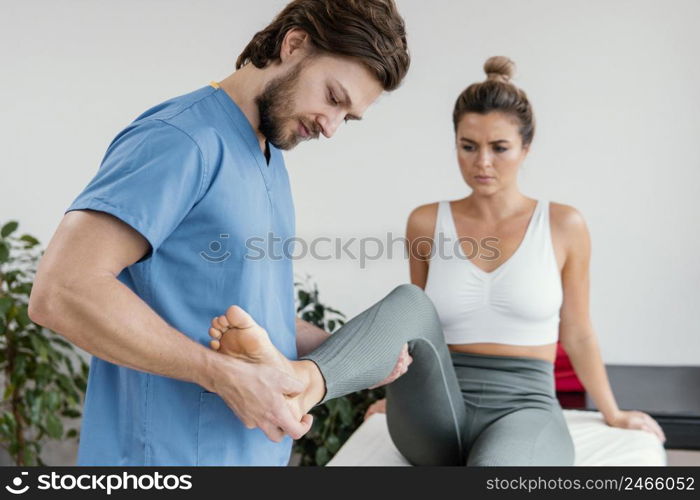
[483,159]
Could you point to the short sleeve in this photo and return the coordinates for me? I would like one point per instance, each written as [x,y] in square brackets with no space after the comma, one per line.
[150,178]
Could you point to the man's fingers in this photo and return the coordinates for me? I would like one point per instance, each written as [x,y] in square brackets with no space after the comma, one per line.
[307,421]
[291,386]
[272,432]
[286,421]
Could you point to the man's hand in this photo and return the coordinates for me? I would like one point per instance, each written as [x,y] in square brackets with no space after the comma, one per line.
[400,368]
[257,393]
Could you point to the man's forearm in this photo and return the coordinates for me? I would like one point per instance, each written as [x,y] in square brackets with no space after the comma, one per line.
[309,337]
[104,317]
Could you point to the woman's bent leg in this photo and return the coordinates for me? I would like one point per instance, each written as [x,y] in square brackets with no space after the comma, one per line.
[425,412]
[530,436]
[517,419]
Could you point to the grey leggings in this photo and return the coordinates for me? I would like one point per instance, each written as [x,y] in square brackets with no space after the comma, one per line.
[449,408]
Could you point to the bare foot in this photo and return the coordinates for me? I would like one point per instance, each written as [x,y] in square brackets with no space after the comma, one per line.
[237,334]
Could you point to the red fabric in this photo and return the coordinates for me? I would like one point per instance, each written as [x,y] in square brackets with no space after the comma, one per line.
[564,376]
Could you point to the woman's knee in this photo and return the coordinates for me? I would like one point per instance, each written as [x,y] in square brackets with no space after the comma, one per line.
[414,309]
[412,297]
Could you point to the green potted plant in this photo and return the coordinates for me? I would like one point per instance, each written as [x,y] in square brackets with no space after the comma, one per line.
[43,378]
[337,419]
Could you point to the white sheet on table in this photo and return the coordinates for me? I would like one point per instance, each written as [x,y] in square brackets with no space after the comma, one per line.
[595,442]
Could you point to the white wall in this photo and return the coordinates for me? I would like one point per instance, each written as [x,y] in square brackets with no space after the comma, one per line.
[614,85]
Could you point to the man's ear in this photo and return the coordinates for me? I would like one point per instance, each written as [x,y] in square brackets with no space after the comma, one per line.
[296,42]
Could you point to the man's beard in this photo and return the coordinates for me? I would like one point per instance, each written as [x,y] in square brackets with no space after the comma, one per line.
[276,108]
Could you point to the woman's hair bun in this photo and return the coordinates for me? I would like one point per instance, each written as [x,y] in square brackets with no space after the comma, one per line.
[499,68]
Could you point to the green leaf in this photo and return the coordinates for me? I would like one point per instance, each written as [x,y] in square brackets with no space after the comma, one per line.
[9,389]
[31,241]
[22,289]
[8,228]
[54,426]
[29,457]
[303,299]
[322,456]
[330,309]
[71,413]
[4,252]
[9,420]
[333,444]
[23,316]
[52,400]
[72,433]
[5,304]
[58,340]
[345,410]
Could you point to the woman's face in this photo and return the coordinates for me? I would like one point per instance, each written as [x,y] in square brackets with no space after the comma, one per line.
[489,150]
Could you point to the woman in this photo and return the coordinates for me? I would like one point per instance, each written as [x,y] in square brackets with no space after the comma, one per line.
[515,304]
[489,399]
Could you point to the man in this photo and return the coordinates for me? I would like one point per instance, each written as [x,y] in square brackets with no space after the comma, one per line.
[155,246]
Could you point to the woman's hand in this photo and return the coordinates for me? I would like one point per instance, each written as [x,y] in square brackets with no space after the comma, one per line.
[634,419]
[378,406]
[400,368]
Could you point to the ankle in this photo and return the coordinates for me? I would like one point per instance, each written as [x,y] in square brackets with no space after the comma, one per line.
[316,388]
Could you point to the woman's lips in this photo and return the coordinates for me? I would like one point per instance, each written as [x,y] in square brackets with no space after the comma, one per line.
[483,179]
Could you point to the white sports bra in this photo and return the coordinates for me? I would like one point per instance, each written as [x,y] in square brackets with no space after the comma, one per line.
[518,303]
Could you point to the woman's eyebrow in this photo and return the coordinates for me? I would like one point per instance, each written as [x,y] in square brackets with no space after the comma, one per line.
[466,139]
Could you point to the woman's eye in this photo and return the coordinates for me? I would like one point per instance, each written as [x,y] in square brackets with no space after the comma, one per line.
[468,148]
[333,100]
[500,149]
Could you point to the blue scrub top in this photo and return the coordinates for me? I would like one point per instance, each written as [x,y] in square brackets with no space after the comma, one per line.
[189,176]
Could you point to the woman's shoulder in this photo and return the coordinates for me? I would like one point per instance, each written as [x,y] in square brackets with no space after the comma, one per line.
[421,220]
[566,218]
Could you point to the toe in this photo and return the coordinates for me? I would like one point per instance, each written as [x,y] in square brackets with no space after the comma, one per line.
[214,332]
[219,325]
[214,344]
[238,318]
[224,322]
[215,323]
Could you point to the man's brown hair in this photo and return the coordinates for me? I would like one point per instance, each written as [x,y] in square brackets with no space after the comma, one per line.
[371,31]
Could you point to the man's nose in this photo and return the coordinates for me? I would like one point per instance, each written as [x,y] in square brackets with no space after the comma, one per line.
[329,123]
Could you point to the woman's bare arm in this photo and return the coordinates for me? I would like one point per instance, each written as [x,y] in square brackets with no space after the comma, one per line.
[420,230]
[576,332]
